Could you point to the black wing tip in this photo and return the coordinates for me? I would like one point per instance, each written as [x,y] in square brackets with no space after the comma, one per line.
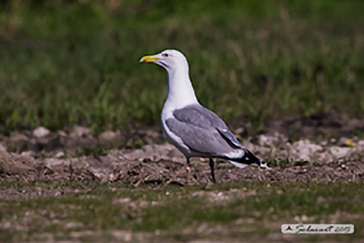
[250,159]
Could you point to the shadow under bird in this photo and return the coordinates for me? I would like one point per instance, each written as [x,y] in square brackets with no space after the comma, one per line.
[193,129]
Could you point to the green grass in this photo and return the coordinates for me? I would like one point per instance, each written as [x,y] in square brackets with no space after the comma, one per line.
[76,62]
[249,210]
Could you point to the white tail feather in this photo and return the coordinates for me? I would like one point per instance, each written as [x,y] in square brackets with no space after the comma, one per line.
[240,165]
[264,165]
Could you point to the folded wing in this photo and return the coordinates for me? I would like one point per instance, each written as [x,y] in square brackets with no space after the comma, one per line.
[203,131]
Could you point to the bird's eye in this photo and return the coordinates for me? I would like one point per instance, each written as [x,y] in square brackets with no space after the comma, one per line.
[165,55]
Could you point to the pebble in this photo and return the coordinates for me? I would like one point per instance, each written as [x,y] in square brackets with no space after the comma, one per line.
[41,132]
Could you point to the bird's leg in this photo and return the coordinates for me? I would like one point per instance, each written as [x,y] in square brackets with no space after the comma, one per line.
[189,177]
[211,163]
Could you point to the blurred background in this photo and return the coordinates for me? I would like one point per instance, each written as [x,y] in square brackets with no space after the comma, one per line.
[77,62]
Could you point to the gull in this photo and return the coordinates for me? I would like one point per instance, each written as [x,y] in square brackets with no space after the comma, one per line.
[193,129]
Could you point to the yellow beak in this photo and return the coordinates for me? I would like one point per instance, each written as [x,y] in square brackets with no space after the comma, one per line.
[151,58]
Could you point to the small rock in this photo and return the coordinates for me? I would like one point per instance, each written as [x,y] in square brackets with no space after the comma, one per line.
[79,234]
[107,135]
[62,133]
[239,130]
[73,225]
[124,235]
[339,152]
[121,200]
[202,228]
[15,136]
[5,225]
[59,154]
[27,153]
[51,162]
[262,139]
[143,204]
[250,220]
[79,131]
[304,157]
[3,147]
[127,237]
[40,132]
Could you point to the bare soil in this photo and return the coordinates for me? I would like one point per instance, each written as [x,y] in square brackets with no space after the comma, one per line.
[76,155]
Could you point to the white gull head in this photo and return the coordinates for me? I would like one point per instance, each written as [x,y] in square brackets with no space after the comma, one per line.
[180,90]
[171,60]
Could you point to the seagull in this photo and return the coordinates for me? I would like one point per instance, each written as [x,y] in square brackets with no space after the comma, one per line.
[191,128]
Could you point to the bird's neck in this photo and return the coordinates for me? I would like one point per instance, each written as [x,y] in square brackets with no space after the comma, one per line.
[180,90]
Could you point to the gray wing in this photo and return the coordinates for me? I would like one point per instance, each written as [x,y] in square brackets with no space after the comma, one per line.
[202,130]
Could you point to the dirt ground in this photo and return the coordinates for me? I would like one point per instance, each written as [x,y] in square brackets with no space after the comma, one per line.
[76,155]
